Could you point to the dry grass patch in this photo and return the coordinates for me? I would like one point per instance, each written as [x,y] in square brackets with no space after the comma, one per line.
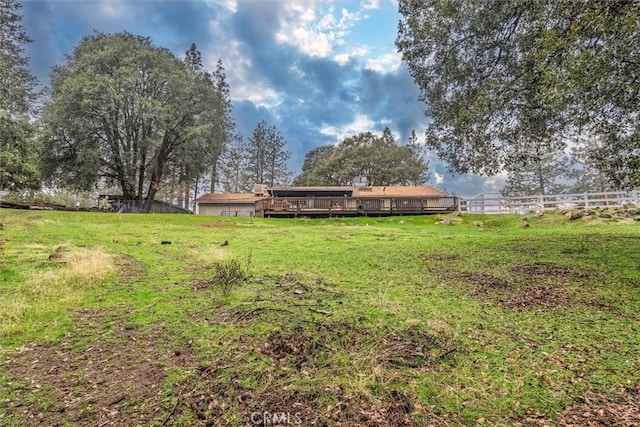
[70,272]
[206,256]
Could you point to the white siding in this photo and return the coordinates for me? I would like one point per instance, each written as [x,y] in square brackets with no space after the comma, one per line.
[227,209]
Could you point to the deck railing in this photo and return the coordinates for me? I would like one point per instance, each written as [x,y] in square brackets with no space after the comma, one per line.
[354,206]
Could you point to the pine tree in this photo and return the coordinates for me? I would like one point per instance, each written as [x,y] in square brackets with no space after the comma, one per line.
[267,159]
[234,175]
[227,131]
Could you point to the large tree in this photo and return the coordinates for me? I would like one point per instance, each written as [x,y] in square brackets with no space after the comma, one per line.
[499,74]
[316,169]
[191,168]
[18,157]
[266,156]
[543,173]
[226,131]
[233,169]
[124,111]
[378,158]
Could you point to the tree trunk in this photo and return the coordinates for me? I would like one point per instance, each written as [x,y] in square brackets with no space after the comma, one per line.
[540,176]
[214,175]
[187,195]
[195,196]
[158,168]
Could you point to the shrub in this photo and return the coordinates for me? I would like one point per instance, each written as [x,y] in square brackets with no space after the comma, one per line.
[227,275]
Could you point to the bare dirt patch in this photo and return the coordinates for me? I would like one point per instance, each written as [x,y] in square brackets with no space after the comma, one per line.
[594,409]
[107,372]
[130,268]
[221,388]
[483,284]
[538,271]
[538,296]
[527,285]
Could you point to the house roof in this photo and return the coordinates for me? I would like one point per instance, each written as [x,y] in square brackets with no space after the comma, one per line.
[397,191]
[328,191]
[319,188]
[228,198]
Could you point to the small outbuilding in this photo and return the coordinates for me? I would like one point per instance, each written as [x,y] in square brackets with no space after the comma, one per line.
[227,204]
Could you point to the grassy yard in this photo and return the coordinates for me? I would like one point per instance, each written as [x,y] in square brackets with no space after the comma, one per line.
[109,319]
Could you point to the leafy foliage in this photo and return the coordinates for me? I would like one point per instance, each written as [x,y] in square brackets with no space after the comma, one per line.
[228,275]
[124,111]
[234,176]
[266,157]
[500,76]
[364,155]
[189,168]
[18,160]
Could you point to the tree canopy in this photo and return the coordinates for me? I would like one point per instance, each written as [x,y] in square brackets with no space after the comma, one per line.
[266,157]
[18,159]
[502,77]
[123,111]
[376,157]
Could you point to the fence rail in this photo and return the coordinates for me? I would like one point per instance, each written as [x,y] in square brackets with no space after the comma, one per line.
[495,203]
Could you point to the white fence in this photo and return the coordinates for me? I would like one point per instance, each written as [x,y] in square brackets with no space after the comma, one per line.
[493,203]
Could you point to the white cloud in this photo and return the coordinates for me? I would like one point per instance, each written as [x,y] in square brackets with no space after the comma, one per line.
[306,40]
[439,178]
[315,29]
[237,67]
[113,8]
[344,58]
[360,124]
[389,62]
[370,4]
[230,5]
[494,184]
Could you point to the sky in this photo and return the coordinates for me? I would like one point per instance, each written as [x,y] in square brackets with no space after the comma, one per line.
[317,70]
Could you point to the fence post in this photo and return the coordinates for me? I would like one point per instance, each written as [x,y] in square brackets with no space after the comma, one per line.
[586,200]
[542,202]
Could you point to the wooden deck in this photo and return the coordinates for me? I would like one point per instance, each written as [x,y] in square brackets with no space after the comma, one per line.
[352,206]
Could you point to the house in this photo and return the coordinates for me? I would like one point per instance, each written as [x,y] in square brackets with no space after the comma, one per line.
[289,201]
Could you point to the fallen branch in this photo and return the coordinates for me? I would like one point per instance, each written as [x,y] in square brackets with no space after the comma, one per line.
[448,352]
[257,309]
[173,410]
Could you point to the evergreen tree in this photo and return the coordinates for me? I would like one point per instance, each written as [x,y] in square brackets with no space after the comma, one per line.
[496,73]
[227,127]
[127,112]
[233,168]
[18,148]
[267,159]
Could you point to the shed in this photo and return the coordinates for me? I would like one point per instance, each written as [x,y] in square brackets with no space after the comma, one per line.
[227,204]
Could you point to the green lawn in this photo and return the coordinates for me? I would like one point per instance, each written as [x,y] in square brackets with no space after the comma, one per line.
[367,321]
